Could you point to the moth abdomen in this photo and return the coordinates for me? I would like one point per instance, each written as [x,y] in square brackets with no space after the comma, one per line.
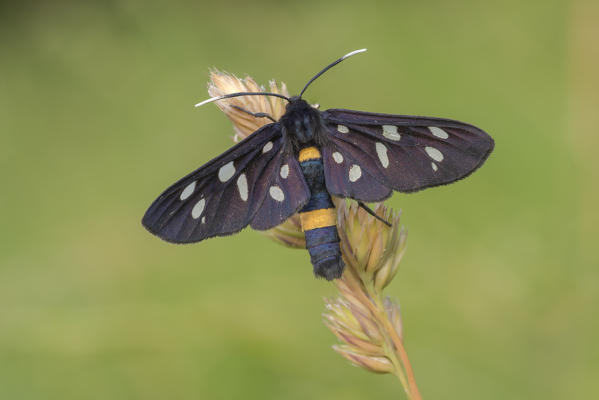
[318,218]
[325,254]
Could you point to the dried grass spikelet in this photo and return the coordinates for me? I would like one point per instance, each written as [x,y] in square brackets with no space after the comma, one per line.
[367,323]
[243,123]
[289,232]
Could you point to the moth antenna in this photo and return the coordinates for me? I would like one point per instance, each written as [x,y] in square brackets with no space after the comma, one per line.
[331,65]
[228,96]
[254,114]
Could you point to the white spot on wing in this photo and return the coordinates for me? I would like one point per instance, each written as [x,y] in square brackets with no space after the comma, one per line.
[226,172]
[203,220]
[355,172]
[438,132]
[267,147]
[285,171]
[276,193]
[434,153]
[188,191]
[338,157]
[381,151]
[242,185]
[435,168]
[198,209]
[390,132]
[342,128]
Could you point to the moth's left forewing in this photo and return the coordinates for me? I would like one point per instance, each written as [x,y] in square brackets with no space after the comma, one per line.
[224,195]
[409,153]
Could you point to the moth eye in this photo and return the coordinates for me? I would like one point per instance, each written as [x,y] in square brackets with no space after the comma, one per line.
[390,132]
[434,153]
[438,132]
[188,191]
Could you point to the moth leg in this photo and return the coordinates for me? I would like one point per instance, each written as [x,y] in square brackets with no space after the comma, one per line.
[369,211]
[257,115]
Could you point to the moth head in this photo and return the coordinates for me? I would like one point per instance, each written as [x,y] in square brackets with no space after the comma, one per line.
[301,120]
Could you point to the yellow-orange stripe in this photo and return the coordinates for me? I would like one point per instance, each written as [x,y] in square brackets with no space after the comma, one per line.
[318,219]
[309,153]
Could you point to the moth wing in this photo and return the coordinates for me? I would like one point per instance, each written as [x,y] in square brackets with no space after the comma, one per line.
[227,193]
[348,173]
[284,195]
[399,152]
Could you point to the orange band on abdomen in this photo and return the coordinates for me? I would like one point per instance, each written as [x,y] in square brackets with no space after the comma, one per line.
[309,153]
[318,218]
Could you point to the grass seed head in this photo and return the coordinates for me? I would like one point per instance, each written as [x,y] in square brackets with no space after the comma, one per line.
[289,233]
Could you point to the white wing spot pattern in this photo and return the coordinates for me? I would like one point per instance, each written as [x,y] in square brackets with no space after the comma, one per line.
[342,128]
[226,172]
[390,132]
[285,171]
[276,193]
[267,147]
[435,168]
[338,157]
[198,209]
[434,153]
[381,151]
[188,191]
[242,185]
[355,172]
[438,132]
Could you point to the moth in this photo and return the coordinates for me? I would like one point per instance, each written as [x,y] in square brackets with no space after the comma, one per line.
[294,165]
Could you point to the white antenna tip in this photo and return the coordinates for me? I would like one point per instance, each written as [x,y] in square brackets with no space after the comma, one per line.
[208,101]
[353,53]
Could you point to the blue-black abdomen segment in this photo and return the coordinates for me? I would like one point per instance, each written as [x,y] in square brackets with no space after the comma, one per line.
[325,255]
[319,220]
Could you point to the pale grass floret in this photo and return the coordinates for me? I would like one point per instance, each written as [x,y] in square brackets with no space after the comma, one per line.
[244,124]
[367,323]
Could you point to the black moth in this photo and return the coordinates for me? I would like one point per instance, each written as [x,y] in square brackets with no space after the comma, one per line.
[295,165]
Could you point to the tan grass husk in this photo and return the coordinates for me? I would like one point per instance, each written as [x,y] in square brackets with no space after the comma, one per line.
[367,323]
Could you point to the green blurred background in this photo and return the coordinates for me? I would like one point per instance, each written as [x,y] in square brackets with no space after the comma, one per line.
[499,287]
